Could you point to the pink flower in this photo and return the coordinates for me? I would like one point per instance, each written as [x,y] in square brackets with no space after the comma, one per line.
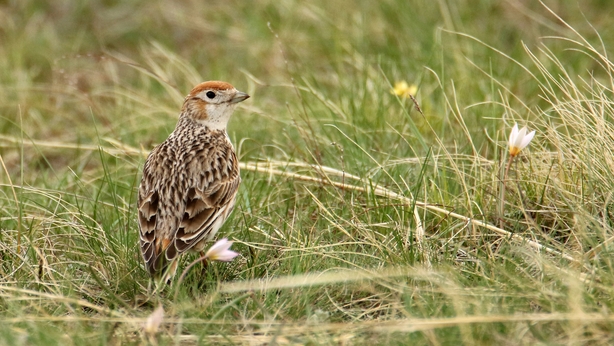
[220,251]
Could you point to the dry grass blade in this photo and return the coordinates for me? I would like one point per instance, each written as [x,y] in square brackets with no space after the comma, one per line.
[324,278]
[27,294]
[272,168]
[17,205]
[383,192]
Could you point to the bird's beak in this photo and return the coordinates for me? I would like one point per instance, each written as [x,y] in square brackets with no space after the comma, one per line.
[239,96]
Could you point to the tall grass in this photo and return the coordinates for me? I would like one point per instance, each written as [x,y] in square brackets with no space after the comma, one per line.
[361,218]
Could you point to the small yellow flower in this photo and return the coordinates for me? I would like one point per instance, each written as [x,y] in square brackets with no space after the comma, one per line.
[519,139]
[403,89]
[220,251]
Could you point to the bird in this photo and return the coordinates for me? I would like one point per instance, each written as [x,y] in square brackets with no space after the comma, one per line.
[190,181]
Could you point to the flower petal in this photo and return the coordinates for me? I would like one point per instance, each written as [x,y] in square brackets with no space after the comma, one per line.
[521,134]
[153,322]
[220,251]
[527,139]
[513,135]
[403,89]
[220,245]
[226,256]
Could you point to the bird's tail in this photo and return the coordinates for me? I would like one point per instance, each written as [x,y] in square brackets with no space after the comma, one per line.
[162,269]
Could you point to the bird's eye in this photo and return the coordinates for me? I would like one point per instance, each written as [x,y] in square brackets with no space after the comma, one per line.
[210,94]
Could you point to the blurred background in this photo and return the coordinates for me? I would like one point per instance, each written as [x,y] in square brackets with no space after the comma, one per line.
[75,71]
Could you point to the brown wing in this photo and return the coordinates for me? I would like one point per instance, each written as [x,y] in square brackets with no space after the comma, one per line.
[168,229]
[148,207]
[205,212]
[148,216]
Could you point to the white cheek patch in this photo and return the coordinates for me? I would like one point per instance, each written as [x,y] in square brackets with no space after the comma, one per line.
[218,115]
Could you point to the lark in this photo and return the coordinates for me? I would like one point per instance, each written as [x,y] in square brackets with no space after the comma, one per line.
[190,181]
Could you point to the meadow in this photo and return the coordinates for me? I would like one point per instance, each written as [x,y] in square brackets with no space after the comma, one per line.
[365,216]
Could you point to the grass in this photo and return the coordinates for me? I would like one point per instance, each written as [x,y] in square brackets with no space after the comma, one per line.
[360,219]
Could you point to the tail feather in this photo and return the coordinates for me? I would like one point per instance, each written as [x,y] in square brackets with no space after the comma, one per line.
[162,268]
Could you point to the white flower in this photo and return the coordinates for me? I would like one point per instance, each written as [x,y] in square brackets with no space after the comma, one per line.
[220,251]
[152,324]
[519,139]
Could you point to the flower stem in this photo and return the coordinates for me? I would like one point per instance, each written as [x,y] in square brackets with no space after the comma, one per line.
[203,258]
[502,196]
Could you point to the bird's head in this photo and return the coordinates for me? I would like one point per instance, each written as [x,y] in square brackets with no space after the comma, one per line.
[212,103]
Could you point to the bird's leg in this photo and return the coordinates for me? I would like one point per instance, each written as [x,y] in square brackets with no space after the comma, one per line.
[204,262]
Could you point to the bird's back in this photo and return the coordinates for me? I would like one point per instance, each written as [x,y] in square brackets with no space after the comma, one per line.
[187,191]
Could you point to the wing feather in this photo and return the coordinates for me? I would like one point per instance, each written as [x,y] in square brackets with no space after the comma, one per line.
[177,210]
[205,212]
